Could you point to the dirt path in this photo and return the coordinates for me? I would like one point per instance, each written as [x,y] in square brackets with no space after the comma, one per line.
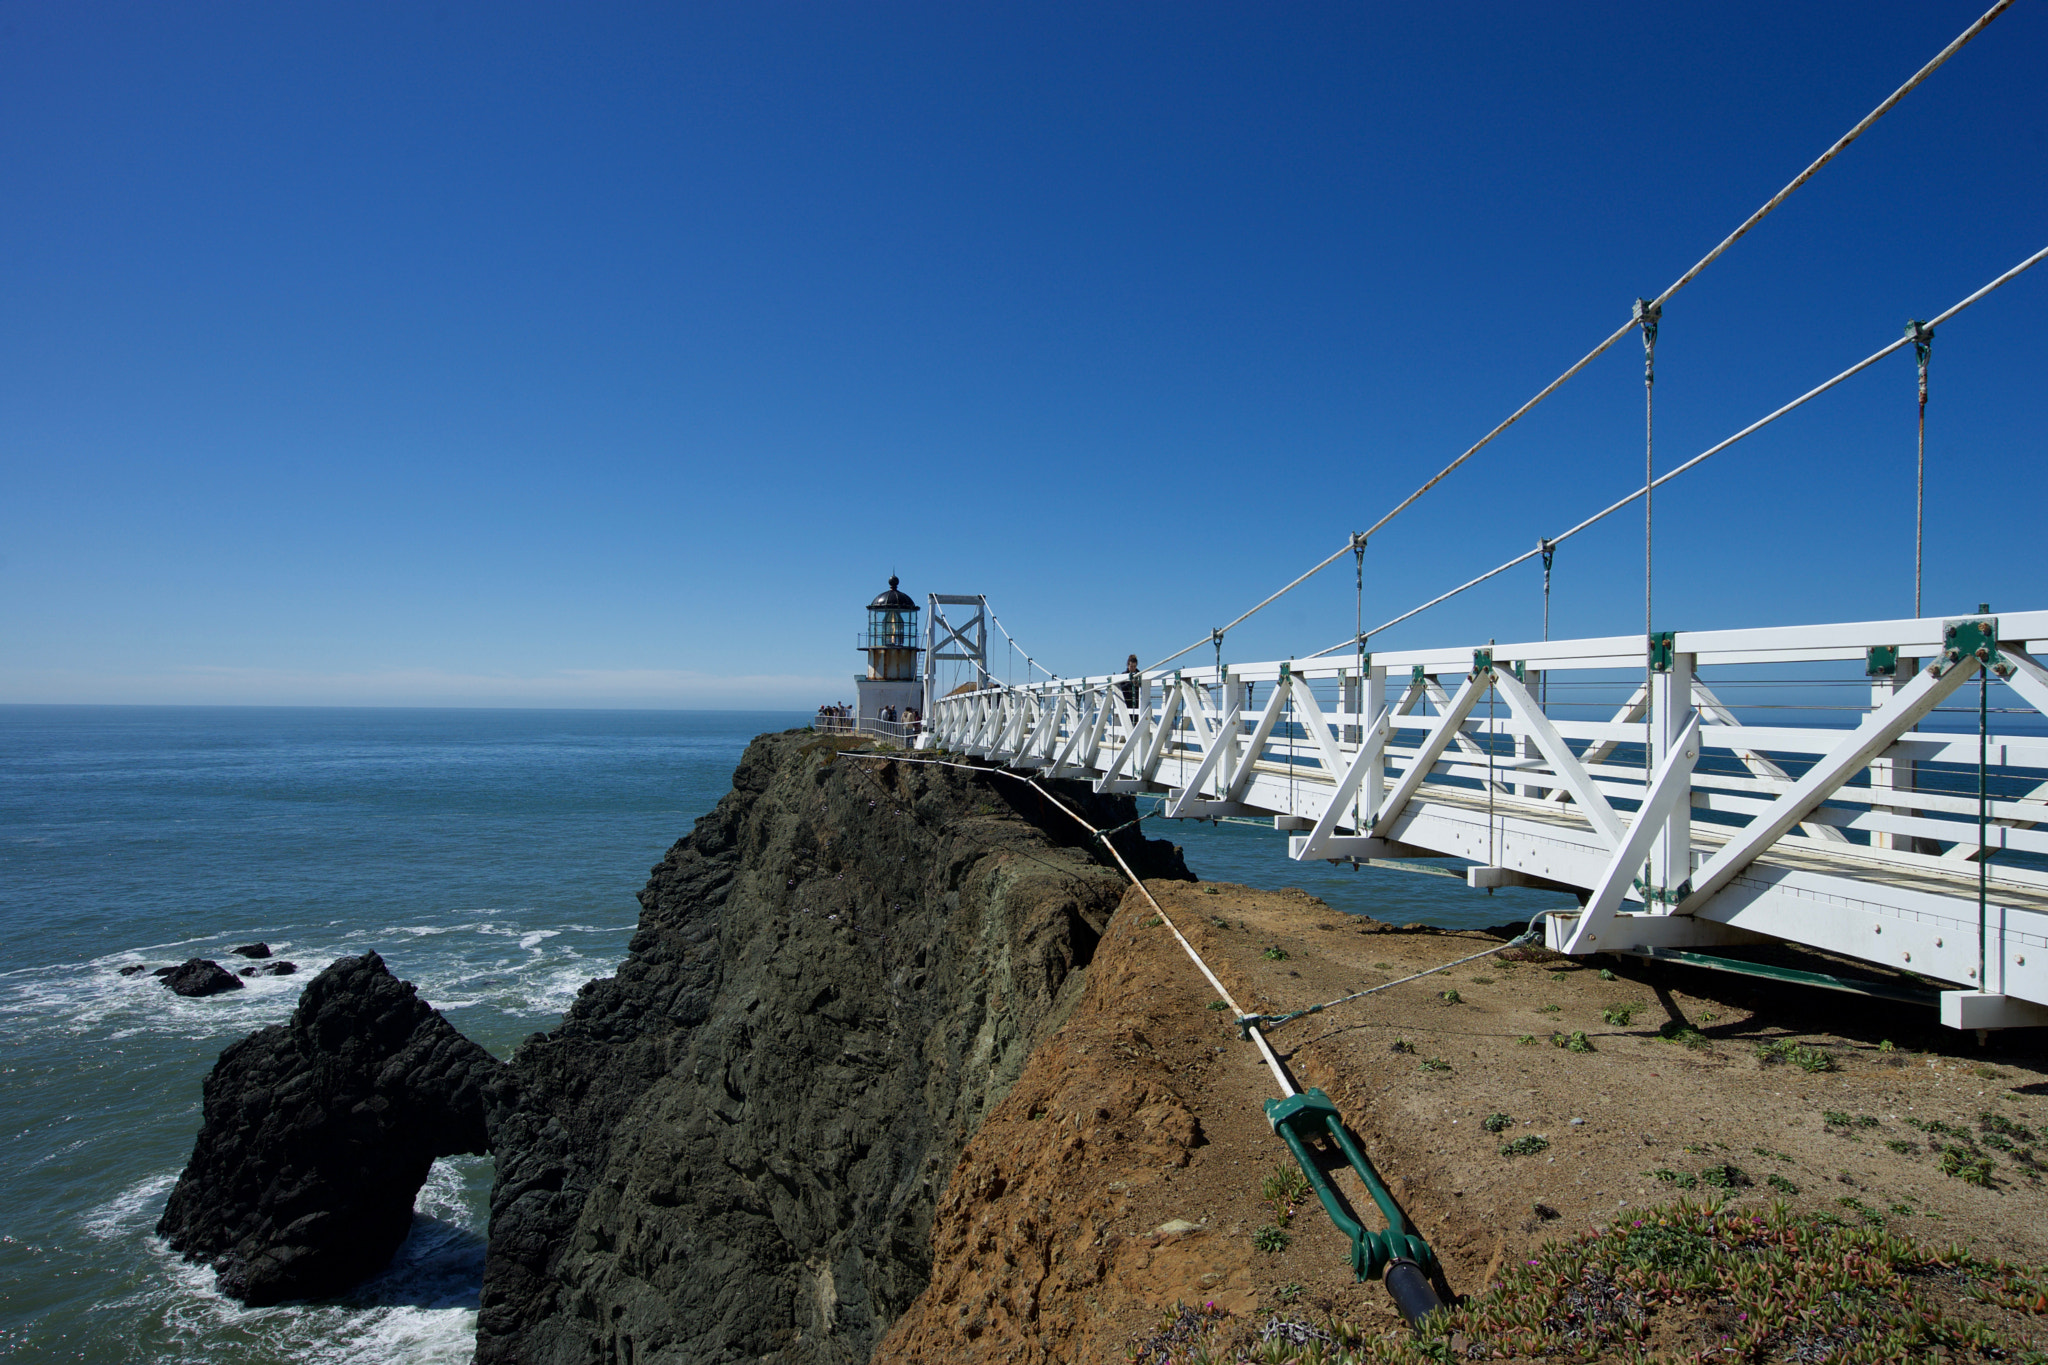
[1123,1173]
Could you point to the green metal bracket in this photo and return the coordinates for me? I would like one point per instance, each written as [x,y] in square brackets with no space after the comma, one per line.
[1299,1119]
[1364,662]
[1520,675]
[1482,661]
[1881,661]
[1877,990]
[1662,645]
[1971,636]
[1415,678]
[1286,671]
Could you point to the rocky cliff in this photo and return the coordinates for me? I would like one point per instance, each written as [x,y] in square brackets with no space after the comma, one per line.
[319,1133]
[732,1149]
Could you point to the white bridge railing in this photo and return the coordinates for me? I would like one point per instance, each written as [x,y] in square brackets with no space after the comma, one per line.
[1676,817]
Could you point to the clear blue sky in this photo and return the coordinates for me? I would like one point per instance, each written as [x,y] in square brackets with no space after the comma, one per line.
[614,355]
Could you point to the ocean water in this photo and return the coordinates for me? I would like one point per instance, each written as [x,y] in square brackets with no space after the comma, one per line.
[490,856]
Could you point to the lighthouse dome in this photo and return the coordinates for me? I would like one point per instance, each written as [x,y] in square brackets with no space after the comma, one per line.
[893,600]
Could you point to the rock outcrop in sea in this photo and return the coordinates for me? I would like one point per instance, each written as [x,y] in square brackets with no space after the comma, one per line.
[319,1132]
[199,976]
[732,1148]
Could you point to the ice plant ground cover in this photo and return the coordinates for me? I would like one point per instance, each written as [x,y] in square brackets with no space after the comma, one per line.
[1693,1281]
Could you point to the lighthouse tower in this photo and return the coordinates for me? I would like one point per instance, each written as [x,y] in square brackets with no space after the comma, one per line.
[892,646]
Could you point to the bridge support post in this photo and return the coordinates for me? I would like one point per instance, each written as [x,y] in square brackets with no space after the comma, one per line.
[1525,744]
[1372,787]
[1891,774]
[1670,714]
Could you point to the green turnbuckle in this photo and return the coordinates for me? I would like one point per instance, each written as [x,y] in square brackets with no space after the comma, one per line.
[1299,1120]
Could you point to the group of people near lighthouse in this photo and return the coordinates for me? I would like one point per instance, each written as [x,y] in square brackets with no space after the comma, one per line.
[841,717]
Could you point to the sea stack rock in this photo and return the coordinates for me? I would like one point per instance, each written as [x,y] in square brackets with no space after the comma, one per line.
[318,1134]
[252,950]
[200,976]
[732,1149]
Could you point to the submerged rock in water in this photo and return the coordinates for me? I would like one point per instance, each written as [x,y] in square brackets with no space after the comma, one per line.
[134,967]
[277,968]
[199,976]
[252,950]
[318,1133]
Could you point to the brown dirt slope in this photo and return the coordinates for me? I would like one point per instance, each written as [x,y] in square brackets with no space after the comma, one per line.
[1123,1172]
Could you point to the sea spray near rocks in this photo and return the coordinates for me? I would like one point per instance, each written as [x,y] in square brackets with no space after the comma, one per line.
[319,1132]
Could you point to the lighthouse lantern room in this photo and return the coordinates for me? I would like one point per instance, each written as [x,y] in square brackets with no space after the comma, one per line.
[892,686]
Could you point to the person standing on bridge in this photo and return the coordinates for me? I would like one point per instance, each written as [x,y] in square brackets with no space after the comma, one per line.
[1130,683]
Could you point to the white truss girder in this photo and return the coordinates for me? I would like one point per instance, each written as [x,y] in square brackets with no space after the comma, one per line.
[1827,837]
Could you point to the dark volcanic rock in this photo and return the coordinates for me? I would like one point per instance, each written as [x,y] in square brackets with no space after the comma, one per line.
[731,1150]
[277,968]
[200,976]
[132,968]
[318,1133]
[252,950]
[164,971]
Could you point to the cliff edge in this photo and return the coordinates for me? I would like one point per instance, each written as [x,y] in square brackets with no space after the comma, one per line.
[732,1149]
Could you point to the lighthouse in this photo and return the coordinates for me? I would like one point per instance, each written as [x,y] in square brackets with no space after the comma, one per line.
[892,646]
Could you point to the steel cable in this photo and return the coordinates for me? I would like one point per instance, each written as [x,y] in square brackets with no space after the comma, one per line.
[1770,205]
[1711,451]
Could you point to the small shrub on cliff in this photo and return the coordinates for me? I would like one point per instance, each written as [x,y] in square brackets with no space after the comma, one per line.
[1434,1064]
[1276,954]
[1529,1144]
[1620,1016]
[1795,1054]
[1271,1239]
[1575,1041]
[1451,997]
[1496,1123]
[1966,1166]
[1219,1004]
[1284,1188]
[1672,1031]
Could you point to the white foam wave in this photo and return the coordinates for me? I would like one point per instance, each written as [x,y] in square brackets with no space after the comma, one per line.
[133,1208]
[419,1311]
[468,965]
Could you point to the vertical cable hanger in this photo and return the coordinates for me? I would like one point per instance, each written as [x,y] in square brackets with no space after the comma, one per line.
[1549,548]
[1358,797]
[1647,316]
[1492,786]
[1923,348]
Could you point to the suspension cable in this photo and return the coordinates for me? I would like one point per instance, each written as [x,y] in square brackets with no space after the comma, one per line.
[1923,348]
[1770,205]
[1711,451]
[1019,648]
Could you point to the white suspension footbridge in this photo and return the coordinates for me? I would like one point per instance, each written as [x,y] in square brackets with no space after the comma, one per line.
[1874,789]
[1879,842]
